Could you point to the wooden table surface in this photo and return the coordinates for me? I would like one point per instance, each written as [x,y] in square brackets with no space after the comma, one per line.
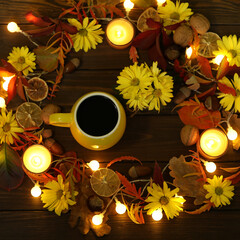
[149,137]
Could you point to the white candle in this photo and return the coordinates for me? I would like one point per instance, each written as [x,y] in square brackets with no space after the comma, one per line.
[213,142]
[120,33]
[37,159]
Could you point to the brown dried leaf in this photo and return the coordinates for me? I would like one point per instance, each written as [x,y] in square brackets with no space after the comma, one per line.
[187,177]
[82,211]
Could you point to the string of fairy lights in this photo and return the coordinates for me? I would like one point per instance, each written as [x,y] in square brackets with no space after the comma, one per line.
[35,162]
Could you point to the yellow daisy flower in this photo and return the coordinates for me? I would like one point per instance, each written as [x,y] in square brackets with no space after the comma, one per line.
[134,79]
[173,14]
[57,197]
[8,127]
[228,100]
[162,91]
[22,59]
[219,191]
[229,47]
[164,199]
[88,35]
[138,101]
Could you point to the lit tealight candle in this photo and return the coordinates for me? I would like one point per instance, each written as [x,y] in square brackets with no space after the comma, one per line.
[120,33]
[189,52]
[213,143]
[37,159]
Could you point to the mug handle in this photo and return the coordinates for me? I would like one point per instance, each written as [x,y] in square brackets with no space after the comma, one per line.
[60,119]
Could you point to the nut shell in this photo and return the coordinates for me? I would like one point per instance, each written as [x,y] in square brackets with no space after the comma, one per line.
[189,135]
[172,52]
[53,146]
[72,65]
[183,35]
[182,94]
[200,23]
[48,110]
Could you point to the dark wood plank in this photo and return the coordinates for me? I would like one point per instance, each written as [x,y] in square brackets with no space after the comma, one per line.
[43,225]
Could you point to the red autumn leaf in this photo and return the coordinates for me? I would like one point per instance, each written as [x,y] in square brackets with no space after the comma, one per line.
[235,178]
[123,158]
[37,21]
[66,11]
[116,10]
[223,69]
[206,207]
[155,54]
[68,28]
[205,67]
[174,26]
[210,92]
[133,55]
[193,113]
[145,40]
[130,188]
[12,89]
[20,90]
[42,31]
[8,66]
[157,175]
[234,69]
[227,90]
[178,68]
[166,39]
[152,24]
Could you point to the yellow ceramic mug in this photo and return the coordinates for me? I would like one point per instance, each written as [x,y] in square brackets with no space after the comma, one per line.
[97,120]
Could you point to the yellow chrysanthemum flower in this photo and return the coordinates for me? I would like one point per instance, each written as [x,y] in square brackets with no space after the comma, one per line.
[22,59]
[58,196]
[219,191]
[8,127]
[88,35]
[164,199]
[172,14]
[161,93]
[138,101]
[228,100]
[134,79]
[229,47]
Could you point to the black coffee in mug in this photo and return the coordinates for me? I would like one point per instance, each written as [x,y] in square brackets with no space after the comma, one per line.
[97,115]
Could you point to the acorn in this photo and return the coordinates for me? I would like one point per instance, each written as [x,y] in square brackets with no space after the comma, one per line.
[53,146]
[182,94]
[139,171]
[183,35]
[200,23]
[95,204]
[72,65]
[172,52]
[212,103]
[47,133]
[48,110]
[189,135]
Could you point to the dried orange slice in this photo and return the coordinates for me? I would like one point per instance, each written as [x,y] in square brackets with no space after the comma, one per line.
[29,115]
[105,182]
[142,20]
[37,90]
[208,44]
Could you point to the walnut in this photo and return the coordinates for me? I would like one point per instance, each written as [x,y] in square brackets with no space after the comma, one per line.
[200,23]
[183,35]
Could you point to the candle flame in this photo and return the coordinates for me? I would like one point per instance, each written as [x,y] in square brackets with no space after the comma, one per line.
[2,102]
[6,82]
[161,2]
[218,59]
[189,52]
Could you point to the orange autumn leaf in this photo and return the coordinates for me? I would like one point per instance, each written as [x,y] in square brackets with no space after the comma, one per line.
[195,113]
[206,207]
[133,54]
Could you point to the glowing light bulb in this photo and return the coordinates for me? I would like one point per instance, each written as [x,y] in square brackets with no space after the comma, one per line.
[6,82]
[97,219]
[128,5]
[210,167]
[120,208]
[36,190]
[161,2]
[94,165]
[2,102]
[13,27]
[218,59]
[157,215]
[189,52]
[232,134]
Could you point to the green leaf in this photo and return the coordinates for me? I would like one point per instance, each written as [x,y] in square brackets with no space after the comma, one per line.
[11,172]
[46,60]
[144,3]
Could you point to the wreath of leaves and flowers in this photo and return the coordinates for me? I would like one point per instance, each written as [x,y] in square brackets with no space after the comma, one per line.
[175,38]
